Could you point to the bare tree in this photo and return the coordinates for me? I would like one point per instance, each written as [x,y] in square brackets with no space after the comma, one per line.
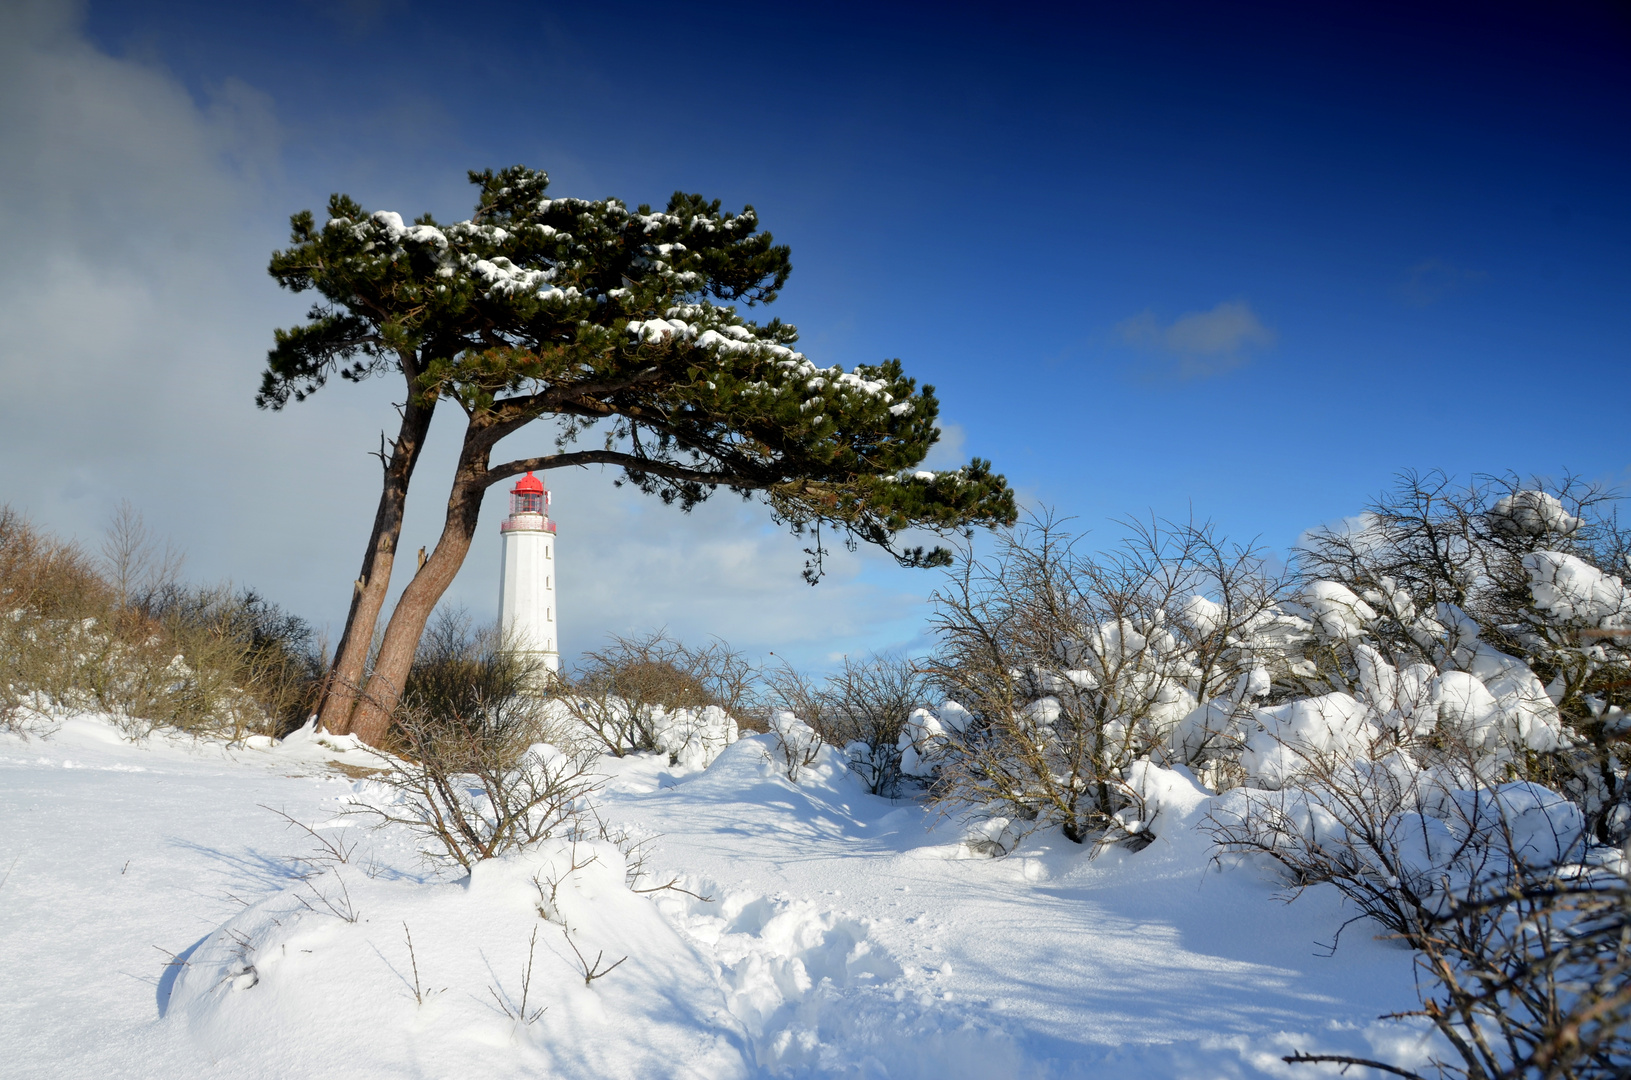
[135,562]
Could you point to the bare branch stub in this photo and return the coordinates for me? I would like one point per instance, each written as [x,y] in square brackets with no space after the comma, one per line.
[1300,1058]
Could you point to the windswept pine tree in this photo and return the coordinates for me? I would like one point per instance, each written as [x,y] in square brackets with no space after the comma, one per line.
[623,326]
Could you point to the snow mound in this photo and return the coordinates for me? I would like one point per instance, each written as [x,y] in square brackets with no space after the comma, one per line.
[691,738]
[501,989]
[1569,588]
[1532,513]
[310,744]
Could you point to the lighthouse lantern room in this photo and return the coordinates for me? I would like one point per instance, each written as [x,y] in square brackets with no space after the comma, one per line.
[526,581]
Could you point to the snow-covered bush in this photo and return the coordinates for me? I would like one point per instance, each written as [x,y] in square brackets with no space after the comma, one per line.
[1491,616]
[652,694]
[690,737]
[1444,741]
[863,708]
[1479,628]
[1518,919]
[1073,666]
[797,744]
[926,737]
[1404,842]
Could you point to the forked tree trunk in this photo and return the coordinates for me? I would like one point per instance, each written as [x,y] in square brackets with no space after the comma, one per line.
[336,711]
[372,718]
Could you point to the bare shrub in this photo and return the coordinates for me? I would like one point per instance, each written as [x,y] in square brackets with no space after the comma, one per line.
[862,708]
[482,783]
[49,592]
[474,760]
[624,692]
[1533,979]
[287,662]
[791,690]
[1075,665]
[44,576]
[123,637]
[462,669]
[218,660]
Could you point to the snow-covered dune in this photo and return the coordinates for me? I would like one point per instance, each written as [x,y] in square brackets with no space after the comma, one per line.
[157,920]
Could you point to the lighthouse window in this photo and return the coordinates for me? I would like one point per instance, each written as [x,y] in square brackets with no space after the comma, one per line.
[549,614]
[547,555]
[547,583]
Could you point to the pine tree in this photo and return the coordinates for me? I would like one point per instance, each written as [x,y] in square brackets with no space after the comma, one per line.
[621,325]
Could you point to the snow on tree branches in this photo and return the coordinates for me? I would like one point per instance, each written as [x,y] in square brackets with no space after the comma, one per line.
[618,324]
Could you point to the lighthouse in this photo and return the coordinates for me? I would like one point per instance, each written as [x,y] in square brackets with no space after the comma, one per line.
[526,580]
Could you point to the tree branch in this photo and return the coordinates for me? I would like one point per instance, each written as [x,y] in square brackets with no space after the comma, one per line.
[1300,1058]
[580,458]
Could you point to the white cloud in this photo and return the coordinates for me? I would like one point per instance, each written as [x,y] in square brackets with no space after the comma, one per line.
[629,564]
[1199,343]
[137,312]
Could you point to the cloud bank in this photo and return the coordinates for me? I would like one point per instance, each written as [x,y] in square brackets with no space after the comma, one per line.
[137,312]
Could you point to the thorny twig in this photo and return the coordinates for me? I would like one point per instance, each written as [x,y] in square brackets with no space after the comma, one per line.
[343,910]
[551,886]
[334,849]
[244,948]
[591,972]
[520,1013]
[674,886]
[175,960]
[413,961]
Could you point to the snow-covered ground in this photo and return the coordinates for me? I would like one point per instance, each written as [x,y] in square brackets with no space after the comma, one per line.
[157,919]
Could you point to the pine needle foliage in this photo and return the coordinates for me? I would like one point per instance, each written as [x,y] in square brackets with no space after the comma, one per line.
[623,323]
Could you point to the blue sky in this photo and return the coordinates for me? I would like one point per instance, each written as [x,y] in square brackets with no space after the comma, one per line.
[1246,260]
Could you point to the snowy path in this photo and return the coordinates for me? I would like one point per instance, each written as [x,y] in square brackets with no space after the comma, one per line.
[841,937]
[1150,961]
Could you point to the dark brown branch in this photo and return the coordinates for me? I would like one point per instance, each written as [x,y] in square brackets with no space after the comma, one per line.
[1300,1058]
[581,458]
[543,401]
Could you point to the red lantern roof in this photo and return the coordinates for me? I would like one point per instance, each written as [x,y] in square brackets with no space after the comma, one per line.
[528,485]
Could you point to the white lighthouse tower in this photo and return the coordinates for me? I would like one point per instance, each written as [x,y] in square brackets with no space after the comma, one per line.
[526,581]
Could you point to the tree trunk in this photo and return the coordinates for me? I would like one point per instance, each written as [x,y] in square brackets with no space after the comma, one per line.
[379,698]
[335,713]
